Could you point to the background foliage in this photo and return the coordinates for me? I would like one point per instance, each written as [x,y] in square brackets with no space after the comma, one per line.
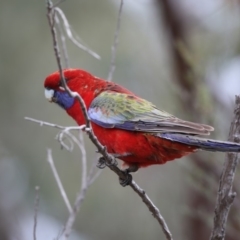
[184,191]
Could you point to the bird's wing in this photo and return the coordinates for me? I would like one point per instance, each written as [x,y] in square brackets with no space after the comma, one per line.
[125,111]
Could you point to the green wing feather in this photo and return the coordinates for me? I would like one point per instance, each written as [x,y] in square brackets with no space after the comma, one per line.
[119,110]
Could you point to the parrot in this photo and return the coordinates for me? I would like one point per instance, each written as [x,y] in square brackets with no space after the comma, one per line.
[131,128]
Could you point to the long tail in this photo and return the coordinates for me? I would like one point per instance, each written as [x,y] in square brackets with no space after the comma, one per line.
[202,143]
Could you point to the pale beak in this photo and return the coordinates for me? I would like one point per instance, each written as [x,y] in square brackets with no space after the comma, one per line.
[49,94]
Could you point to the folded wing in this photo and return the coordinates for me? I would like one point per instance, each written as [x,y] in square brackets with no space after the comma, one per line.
[124,111]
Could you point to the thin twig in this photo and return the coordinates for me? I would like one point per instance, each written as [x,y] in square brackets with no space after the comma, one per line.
[72,217]
[68,31]
[84,185]
[92,179]
[42,123]
[36,206]
[115,42]
[225,195]
[153,209]
[71,138]
[84,161]
[81,146]
[85,182]
[91,175]
[65,131]
[58,180]
[62,137]
[63,43]
[58,3]
[101,149]
[64,128]
[50,16]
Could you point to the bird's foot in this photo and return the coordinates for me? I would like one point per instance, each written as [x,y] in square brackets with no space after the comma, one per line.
[112,163]
[127,179]
[102,163]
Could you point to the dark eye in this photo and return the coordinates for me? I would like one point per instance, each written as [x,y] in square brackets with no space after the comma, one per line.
[55,97]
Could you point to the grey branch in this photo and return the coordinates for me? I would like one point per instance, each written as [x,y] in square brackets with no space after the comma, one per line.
[101,149]
[63,43]
[68,30]
[115,42]
[225,195]
[42,123]
[153,209]
[36,205]
[86,181]
[58,180]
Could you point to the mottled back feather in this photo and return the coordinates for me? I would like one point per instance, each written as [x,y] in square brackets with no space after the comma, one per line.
[125,111]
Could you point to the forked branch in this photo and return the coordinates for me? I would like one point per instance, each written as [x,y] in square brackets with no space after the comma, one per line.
[225,195]
[88,129]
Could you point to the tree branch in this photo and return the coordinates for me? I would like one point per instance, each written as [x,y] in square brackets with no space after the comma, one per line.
[36,206]
[91,178]
[63,43]
[225,195]
[101,149]
[67,28]
[58,180]
[115,43]
[153,209]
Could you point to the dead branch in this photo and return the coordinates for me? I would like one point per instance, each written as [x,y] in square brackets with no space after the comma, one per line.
[225,195]
[58,180]
[115,43]
[36,206]
[101,149]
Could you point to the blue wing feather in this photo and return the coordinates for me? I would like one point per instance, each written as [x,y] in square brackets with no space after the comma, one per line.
[202,143]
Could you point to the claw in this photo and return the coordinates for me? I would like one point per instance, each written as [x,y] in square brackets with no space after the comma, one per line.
[127,176]
[113,162]
[126,180]
[101,163]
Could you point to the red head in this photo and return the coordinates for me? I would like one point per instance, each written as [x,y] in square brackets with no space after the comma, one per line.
[87,85]
[77,80]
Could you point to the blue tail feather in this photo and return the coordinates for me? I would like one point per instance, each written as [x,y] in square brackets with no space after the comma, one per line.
[202,143]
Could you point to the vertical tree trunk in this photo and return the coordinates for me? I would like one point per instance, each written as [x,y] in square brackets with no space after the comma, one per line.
[196,227]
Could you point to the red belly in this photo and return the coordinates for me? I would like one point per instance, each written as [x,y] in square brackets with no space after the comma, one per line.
[140,148]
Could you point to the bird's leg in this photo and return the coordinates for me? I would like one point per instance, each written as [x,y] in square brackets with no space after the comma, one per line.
[102,162]
[128,177]
[113,162]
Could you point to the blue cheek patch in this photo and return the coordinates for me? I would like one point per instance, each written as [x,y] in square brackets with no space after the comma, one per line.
[63,99]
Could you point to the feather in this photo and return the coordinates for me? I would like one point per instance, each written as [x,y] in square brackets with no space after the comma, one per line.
[202,143]
[124,111]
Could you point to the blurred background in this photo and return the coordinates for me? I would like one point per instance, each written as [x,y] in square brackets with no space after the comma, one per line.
[183,55]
